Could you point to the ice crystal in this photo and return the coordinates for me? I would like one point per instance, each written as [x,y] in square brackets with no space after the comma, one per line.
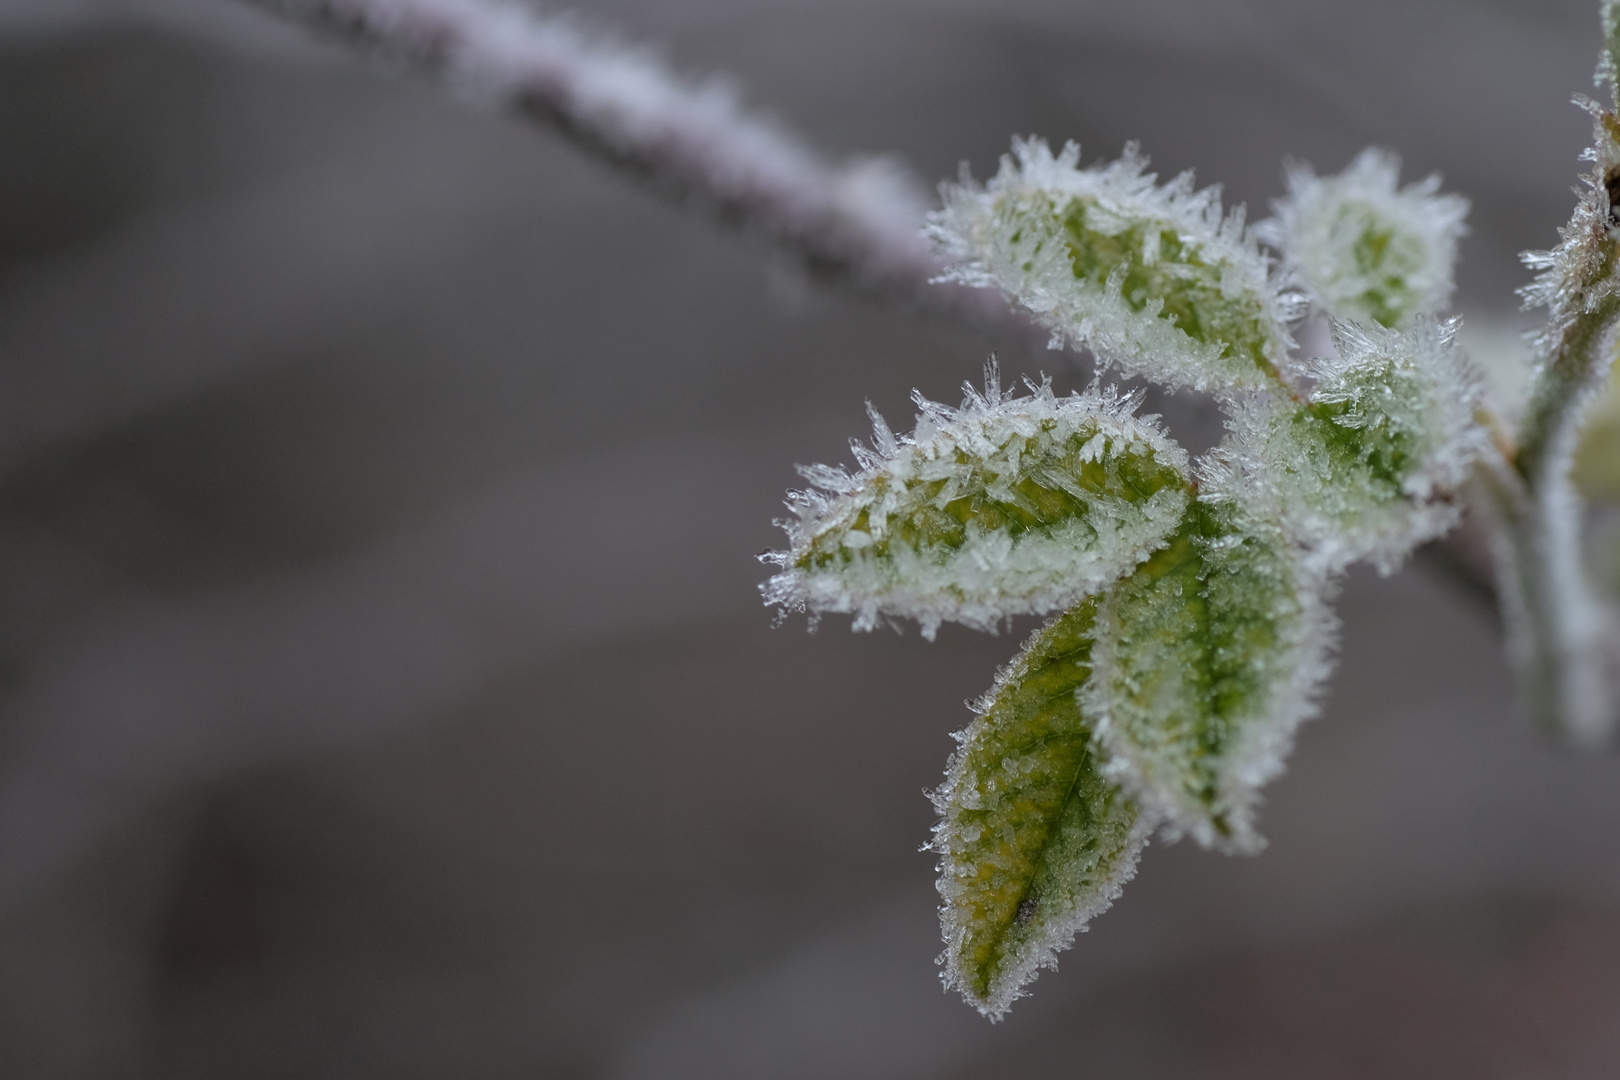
[1370,465]
[1365,249]
[1154,279]
[1009,505]
[1033,838]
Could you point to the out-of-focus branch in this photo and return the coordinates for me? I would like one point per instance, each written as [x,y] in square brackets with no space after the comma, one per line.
[857,222]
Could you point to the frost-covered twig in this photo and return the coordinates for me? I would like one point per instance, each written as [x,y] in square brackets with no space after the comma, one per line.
[855,222]
[1563,637]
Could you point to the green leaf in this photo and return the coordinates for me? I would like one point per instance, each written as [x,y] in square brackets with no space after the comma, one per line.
[1007,506]
[1152,278]
[1156,270]
[1033,839]
[1364,248]
[1206,659]
[1371,465]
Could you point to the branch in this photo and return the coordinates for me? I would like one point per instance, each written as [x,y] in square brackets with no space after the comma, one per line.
[1564,638]
[856,223]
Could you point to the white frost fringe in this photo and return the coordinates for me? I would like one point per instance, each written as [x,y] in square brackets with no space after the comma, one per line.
[992,575]
[1322,217]
[989,247]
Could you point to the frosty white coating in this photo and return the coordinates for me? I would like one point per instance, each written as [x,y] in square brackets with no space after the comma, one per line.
[1207,658]
[1033,839]
[1152,278]
[692,136]
[1363,247]
[1371,464]
[1198,632]
[1009,505]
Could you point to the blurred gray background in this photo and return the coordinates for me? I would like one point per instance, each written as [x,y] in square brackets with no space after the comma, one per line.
[384,690]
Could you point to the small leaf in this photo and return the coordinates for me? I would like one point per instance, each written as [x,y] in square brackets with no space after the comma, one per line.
[1371,465]
[1153,279]
[1009,505]
[1033,839]
[1365,250]
[1206,659]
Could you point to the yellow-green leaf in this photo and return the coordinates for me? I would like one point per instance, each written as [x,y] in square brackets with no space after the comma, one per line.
[1033,839]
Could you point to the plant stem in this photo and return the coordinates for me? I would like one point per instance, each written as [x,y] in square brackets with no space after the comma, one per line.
[1563,637]
[857,222]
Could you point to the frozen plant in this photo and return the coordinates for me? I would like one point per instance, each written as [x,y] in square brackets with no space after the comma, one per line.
[1188,602]
[1191,622]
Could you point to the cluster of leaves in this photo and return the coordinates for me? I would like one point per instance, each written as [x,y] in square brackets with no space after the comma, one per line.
[1190,600]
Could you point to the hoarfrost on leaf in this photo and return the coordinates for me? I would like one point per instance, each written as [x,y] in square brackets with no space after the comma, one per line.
[1033,838]
[1152,278]
[1371,464]
[1010,505]
[1207,658]
[1364,248]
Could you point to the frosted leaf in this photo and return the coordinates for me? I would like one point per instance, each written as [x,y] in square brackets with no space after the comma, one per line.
[1033,840]
[1370,465]
[1154,279]
[1006,506]
[1365,249]
[1207,658]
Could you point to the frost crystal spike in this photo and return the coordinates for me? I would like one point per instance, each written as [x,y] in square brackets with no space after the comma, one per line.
[1010,505]
[1153,279]
[1033,839]
[1365,249]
